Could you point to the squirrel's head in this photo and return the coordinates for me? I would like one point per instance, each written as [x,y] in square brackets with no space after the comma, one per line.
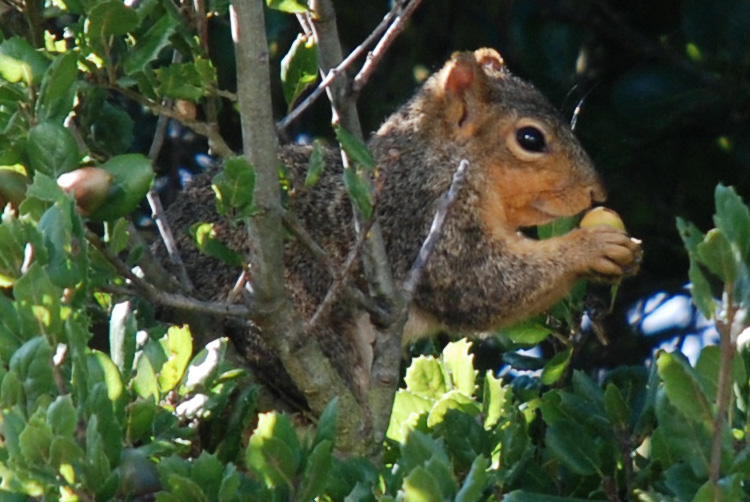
[530,168]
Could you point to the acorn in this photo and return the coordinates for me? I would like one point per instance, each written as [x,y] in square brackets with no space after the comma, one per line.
[89,186]
[602,216]
[12,187]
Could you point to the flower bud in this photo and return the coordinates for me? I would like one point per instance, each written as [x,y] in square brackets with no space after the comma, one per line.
[89,186]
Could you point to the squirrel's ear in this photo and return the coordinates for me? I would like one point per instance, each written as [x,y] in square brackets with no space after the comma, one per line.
[460,73]
[490,59]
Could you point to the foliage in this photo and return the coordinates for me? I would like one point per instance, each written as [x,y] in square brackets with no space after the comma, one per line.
[100,401]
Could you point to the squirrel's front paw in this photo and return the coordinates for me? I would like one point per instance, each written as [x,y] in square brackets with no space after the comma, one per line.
[610,253]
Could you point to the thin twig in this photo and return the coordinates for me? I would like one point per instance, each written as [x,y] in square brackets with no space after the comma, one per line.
[724,384]
[216,141]
[436,229]
[334,73]
[162,297]
[154,201]
[374,57]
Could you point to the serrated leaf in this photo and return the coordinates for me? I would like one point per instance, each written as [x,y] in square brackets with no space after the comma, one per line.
[425,378]
[684,389]
[35,441]
[407,407]
[288,6]
[421,486]
[355,148]
[234,186]
[316,165]
[190,81]
[475,482]
[132,176]
[51,149]
[460,365]
[494,398]
[299,68]
[208,243]
[420,448]
[733,218]
[700,290]
[573,446]
[717,253]
[149,45]
[208,471]
[452,400]
[556,367]
[62,416]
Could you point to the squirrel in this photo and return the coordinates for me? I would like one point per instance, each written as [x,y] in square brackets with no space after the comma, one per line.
[525,168]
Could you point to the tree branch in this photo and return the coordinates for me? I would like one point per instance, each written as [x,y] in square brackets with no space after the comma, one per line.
[279,324]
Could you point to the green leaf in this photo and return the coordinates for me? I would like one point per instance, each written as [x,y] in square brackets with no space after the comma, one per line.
[407,408]
[32,362]
[35,442]
[148,46]
[58,88]
[62,230]
[208,471]
[62,416]
[733,218]
[425,378]
[718,254]
[179,347]
[132,176]
[530,332]
[616,408]
[317,470]
[190,81]
[421,486]
[327,423]
[111,129]
[476,481]
[19,61]
[145,383]
[51,149]
[573,446]
[419,448]
[107,19]
[234,187]
[317,164]
[690,234]
[700,290]
[452,400]
[208,243]
[288,6]
[684,388]
[122,332]
[185,489]
[494,399]
[299,68]
[526,496]
[358,187]
[556,367]
[460,365]
[38,302]
[111,375]
[274,451]
[355,148]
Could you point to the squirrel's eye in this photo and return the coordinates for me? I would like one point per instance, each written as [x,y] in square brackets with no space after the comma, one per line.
[531,139]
